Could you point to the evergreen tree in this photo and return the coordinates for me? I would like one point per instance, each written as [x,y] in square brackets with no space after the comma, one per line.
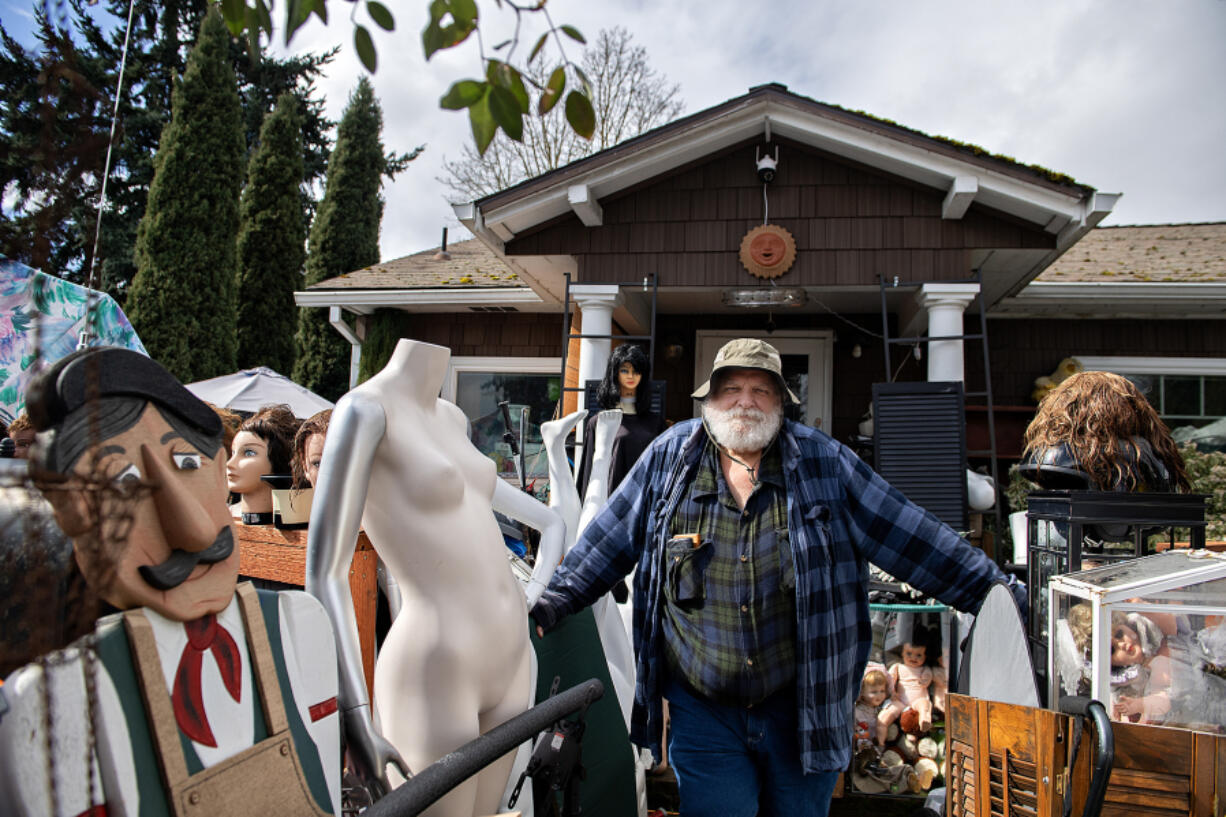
[181,301]
[344,235]
[51,145]
[384,329]
[271,243]
[55,121]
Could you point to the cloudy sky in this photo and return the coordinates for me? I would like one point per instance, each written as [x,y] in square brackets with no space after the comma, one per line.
[1124,95]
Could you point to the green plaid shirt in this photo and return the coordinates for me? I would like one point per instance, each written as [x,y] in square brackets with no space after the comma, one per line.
[730,620]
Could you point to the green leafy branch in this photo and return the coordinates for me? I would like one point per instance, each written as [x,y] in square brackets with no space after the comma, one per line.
[498,100]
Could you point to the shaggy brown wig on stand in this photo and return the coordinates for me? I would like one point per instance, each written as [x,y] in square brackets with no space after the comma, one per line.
[1096,414]
[276,426]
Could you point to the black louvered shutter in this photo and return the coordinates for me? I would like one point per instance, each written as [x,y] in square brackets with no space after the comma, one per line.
[919,435]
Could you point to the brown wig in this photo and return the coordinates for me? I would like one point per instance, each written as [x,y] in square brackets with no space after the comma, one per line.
[1097,415]
[315,424]
[276,426]
[230,421]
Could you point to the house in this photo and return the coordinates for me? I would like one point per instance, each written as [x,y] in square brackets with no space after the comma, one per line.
[874,227]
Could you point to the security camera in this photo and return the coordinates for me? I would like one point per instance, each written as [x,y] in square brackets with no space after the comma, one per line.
[766,166]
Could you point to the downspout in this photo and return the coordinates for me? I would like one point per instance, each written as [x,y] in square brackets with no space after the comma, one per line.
[355,343]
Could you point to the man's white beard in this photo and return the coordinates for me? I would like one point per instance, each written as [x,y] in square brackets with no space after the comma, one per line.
[742,430]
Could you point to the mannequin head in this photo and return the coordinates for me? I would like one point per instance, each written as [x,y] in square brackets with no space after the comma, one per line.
[1106,424]
[626,358]
[263,445]
[309,448]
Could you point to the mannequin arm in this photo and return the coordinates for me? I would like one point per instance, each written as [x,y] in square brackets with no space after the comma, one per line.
[523,508]
[354,433]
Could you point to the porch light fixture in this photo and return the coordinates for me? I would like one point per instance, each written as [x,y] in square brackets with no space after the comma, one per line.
[765,296]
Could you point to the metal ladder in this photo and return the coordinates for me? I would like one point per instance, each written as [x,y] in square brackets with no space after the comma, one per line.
[986,393]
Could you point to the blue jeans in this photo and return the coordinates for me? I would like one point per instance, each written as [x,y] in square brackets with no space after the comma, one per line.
[735,761]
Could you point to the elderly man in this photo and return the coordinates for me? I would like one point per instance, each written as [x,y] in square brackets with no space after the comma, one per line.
[200,697]
[752,537]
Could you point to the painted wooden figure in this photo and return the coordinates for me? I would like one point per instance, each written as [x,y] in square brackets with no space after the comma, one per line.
[194,698]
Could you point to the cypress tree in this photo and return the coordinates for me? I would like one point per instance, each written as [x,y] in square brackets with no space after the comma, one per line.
[182,297]
[344,237]
[384,329]
[271,242]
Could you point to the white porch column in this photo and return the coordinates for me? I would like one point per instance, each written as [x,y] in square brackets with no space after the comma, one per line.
[596,304]
[945,304]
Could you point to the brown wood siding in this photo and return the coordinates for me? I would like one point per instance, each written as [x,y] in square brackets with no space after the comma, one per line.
[506,334]
[850,223]
[1023,349]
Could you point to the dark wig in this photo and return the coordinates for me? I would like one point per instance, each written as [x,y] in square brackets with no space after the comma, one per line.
[276,426]
[610,392]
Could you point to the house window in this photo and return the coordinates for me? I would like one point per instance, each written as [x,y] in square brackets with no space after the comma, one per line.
[478,384]
[1186,391]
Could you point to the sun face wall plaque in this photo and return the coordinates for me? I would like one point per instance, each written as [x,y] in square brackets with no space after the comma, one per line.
[768,251]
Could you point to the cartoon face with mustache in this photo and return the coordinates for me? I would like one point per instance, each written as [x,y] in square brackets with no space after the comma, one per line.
[142,491]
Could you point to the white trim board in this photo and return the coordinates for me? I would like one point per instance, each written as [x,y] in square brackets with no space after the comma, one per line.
[1154,365]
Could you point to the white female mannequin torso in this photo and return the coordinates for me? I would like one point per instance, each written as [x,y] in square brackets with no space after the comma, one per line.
[457,660]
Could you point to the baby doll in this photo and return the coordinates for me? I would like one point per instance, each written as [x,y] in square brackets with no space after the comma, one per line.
[912,678]
[1140,670]
[1140,665]
[874,689]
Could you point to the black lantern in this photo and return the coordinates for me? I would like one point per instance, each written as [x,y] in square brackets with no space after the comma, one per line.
[1067,531]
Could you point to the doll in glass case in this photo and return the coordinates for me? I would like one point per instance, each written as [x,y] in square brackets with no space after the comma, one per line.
[1165,668]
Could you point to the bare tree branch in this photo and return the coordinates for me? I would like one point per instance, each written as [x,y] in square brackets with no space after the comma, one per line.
[629,97]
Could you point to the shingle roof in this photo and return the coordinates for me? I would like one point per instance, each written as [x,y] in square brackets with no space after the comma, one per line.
[1153,253]
[471,265]
[1032,173]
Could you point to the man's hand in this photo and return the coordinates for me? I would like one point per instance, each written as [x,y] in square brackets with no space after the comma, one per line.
[370,752]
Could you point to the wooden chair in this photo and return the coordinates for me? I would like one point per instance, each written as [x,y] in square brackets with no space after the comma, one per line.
[1013,760]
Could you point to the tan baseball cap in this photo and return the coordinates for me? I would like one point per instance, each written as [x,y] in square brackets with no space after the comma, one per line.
[748,353]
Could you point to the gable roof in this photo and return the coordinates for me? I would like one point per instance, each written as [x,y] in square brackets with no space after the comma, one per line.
[966,174]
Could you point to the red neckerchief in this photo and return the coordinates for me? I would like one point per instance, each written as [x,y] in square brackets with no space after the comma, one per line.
[203,635]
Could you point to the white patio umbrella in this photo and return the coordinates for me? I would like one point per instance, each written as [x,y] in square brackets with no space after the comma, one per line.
[252,389]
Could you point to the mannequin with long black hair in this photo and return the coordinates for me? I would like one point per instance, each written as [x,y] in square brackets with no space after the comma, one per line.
[626,386]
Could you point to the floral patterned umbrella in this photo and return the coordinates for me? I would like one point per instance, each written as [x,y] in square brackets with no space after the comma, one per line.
[32,302]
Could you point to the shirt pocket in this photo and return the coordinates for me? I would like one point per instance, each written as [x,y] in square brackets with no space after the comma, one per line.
[686,571]
[787,570]
[817,528]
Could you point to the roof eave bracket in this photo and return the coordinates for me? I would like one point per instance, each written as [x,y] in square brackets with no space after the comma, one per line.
[585,205]
[958,200]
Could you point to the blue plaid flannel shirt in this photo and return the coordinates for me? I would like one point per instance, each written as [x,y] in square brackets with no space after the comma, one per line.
[841,516]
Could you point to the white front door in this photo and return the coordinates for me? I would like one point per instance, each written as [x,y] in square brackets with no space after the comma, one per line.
[807,365]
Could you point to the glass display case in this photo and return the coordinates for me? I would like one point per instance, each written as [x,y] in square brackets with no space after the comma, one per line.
[1071,530]
[1147,637]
